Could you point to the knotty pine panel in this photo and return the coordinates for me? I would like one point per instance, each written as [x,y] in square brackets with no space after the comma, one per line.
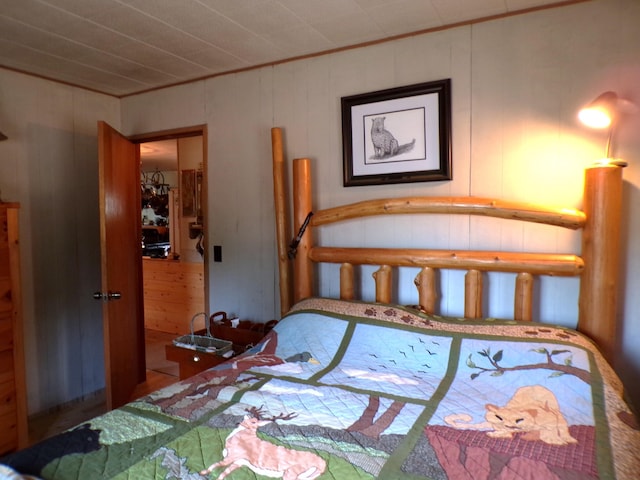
[5,272]
[6,303]
[6,366]
[8,404]
[9,437]
[173,294]
[6,333]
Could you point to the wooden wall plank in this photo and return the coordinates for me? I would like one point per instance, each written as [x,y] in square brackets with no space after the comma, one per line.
[9,436]
[173,294]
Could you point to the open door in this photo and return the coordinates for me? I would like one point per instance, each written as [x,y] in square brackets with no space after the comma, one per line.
[121,262]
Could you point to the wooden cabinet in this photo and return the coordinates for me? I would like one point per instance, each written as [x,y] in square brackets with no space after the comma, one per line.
[13,401]
[192,362]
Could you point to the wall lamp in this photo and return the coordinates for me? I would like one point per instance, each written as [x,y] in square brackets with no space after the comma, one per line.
[605,112]
[3,137]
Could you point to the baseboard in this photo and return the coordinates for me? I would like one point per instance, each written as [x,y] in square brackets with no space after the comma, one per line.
[70,404]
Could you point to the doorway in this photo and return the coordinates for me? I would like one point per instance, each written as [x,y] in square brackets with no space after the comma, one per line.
[172,219]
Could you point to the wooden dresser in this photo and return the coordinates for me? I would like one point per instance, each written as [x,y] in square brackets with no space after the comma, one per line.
[13,400]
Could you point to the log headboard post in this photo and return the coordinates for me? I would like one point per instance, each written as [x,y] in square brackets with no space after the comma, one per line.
[302,205]
[283,226]
[601,254]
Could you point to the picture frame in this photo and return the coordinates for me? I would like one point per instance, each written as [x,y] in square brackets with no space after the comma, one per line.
[188,193]
[397,135]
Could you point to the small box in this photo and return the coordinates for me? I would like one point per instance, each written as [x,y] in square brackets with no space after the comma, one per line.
[243,336]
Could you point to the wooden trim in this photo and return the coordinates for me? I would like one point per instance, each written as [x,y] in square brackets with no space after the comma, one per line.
[204,192]
[170,134]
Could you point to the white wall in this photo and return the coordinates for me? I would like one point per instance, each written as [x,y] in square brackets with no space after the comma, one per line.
[517,84]
[49,165]
[189,158]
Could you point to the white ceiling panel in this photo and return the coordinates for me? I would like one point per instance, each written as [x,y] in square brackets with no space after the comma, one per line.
[311,12]
[405,16]
[84,8]
[349,29]
[451,11]
[299,41]
[122,47]
[262,17]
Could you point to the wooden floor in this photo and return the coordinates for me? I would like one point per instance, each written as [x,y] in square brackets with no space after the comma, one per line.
[160,373]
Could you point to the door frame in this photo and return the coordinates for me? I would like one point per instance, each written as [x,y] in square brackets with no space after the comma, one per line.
[184,132]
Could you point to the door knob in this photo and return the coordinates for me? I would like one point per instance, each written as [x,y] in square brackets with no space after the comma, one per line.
[105,297]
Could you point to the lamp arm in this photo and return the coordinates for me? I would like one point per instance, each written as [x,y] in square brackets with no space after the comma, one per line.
[610,139]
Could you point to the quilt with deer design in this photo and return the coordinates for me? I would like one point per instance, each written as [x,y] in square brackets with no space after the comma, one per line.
[350,390]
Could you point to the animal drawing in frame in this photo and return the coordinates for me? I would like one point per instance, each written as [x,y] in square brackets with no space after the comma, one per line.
[397,135]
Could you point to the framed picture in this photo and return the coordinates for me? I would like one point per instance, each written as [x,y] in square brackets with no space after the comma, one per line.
[188,193]
[398,135]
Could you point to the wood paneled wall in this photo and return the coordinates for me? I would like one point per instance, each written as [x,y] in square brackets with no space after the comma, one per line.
[173,294]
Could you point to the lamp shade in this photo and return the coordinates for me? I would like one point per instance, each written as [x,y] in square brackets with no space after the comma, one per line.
[601,112]
[604,112]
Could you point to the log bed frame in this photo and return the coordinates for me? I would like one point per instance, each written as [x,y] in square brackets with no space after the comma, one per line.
[597,265]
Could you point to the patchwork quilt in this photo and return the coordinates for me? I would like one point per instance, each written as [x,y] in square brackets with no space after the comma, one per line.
[352,390]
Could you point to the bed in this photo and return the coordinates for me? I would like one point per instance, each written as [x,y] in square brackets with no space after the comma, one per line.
[350,389]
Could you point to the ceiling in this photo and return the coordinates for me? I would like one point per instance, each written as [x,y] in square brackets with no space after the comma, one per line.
[123,47]
[160,155]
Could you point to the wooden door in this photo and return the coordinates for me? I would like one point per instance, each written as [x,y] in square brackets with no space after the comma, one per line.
[121,261]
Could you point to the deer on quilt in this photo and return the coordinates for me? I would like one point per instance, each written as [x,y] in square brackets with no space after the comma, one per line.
[243,448]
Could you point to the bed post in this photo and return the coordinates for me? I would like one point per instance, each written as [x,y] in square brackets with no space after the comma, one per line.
[302,205]
[601,254]
[283,221]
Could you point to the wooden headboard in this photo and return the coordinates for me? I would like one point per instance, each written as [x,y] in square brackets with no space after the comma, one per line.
[597,264]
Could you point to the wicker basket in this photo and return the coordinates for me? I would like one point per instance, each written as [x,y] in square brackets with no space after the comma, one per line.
[202,343]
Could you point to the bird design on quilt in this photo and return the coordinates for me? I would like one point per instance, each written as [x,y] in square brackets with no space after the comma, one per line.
[263,355]
[227,373]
